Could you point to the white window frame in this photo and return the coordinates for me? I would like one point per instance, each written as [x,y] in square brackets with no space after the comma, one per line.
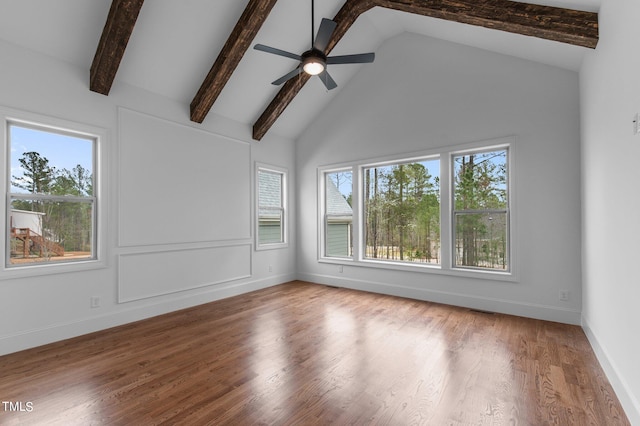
[506,211]
[447,262]
[401,161]
[54,125]
[283,172]
[323,215]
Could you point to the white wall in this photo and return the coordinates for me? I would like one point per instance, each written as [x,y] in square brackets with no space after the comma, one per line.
[610,97]
[442,94]
[423,93]
[181,269]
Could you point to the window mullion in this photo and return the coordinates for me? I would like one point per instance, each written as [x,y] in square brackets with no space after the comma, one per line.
[55,198]
[476,211]
[357,234]
[446,212]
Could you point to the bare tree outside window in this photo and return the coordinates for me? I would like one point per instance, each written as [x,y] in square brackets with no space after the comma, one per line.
[402,212]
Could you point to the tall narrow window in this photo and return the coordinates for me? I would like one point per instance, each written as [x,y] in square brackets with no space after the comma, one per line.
[338,221]
[402,212]
[271,227]
[481,210]
[51,210]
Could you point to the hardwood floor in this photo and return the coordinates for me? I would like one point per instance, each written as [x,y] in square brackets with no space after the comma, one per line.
[303,354]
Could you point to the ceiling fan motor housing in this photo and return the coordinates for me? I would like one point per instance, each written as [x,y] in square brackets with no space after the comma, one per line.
[314,61]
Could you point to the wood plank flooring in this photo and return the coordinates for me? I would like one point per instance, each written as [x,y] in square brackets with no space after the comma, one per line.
[305,354]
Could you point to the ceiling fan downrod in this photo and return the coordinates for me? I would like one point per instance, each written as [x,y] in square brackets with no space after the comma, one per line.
[313,33]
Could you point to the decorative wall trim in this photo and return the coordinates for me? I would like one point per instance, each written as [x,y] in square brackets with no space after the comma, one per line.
[151,274]
[163,179]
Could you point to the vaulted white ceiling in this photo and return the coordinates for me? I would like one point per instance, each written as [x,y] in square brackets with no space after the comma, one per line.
[174,44]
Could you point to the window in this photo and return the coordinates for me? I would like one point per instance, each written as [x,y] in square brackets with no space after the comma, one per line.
[481,210]
[51,210]
[402,211]
[444,211]
[338,216]
[271,205]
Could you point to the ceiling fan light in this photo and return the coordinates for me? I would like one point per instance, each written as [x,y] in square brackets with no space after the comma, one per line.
[313,66]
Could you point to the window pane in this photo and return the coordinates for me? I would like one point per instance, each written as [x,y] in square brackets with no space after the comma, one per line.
[338,214]
[270,226]
[270,207]
[48,231]
[481,240]
[481,221]
[52,163]
[480,181]
[402,212]
[270,194]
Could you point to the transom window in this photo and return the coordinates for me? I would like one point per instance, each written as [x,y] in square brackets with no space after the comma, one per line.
[51,210]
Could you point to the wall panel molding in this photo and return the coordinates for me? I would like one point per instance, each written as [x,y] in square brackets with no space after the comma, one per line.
[179,184]
[151,274]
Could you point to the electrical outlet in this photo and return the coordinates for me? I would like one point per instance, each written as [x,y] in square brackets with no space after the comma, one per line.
[563,295]
[340,268]
[94,302]
[270,268]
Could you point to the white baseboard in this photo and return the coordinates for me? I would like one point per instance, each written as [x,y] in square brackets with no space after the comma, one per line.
[529,310]
[126,313]
[629,402]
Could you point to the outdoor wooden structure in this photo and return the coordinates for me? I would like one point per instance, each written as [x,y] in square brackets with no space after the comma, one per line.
[32,240]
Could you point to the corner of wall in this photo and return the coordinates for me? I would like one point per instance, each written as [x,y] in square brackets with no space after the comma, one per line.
[630,404]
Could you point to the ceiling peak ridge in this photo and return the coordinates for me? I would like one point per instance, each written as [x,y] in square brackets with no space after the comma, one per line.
[548,22]
[558,24]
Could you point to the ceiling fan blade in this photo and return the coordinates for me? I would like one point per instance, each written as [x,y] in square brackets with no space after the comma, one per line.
[362,58]
[287,76]
[329,82]
[278,52]
[327,26]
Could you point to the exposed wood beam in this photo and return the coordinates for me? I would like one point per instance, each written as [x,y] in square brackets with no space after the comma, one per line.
[563,25]
[237,44]
[553,23]
[113,42]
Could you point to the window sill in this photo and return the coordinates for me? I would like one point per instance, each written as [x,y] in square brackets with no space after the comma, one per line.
[11,272]
[274,246]
[423,268]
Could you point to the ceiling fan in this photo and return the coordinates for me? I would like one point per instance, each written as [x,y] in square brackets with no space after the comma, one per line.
[314,61]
